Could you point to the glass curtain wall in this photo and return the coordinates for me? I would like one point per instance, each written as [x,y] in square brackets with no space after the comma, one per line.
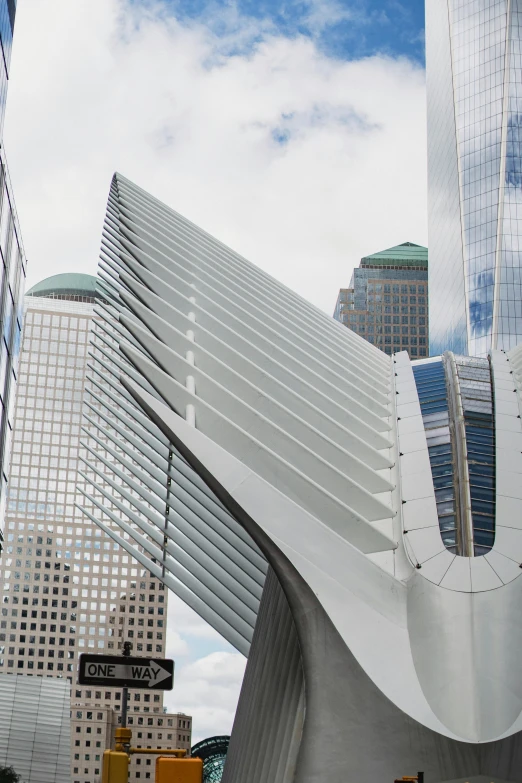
[474,174]
[12,269]
[430,379]
[457,406]
[12,283]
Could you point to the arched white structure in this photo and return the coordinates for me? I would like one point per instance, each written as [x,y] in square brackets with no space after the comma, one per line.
[236,425]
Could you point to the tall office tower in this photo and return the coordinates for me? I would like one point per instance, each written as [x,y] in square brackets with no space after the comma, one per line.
[386,302]
[474,174]
[12,269]
[67,588]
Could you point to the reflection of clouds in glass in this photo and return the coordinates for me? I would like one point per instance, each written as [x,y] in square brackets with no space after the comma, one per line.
[482,281]
[7,14]
[510,274]
[513,150]
[478,41]
[480,297]
[448,328]
[480,315]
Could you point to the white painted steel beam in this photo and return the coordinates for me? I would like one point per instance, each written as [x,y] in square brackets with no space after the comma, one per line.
[300,311]
[199,605]
[304,403]
[230,423]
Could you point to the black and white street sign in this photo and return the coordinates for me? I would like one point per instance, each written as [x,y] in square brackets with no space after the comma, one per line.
[121,672]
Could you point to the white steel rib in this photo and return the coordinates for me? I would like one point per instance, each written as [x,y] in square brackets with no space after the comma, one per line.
[230,425]
[303,401]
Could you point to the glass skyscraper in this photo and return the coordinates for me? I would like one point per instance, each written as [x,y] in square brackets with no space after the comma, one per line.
[386,302]
[7,18]
[474,84]
[12,270]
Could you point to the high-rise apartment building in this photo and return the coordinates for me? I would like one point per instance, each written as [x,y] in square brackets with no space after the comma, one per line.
[474,84]
[12,268]
[387,301]
[67,588]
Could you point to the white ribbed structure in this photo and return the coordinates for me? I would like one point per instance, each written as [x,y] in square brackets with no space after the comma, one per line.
[237,354]
[35,728]
[233,426]
[151,502]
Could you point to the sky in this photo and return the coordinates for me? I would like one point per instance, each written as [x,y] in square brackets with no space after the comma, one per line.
[293,131]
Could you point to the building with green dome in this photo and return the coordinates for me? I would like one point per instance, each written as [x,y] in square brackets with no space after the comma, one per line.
[387,301]
[69,286]
[79,567]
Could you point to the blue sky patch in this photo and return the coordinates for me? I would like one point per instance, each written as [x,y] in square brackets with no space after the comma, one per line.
[346,29]
[281,135]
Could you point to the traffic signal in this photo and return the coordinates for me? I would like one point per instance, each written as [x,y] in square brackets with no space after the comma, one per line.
[115,767]
[169,770]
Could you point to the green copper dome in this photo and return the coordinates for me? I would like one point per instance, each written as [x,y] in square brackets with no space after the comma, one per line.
[74,286]
[407,254]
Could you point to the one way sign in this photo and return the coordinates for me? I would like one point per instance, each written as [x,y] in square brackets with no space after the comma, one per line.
[119,671]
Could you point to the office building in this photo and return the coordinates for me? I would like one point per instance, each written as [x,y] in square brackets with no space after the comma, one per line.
[387,301]
[473,52]
[12,269]
[387,635]
[67,588]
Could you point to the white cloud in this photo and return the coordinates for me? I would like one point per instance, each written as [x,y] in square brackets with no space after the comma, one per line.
[99,85]
[104,85]
[322,14]
[176,645]
[208,672]
[188,623]
[208,690]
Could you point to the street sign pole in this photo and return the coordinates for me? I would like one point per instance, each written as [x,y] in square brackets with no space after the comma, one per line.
[124,671]
[124,702]
[125,693]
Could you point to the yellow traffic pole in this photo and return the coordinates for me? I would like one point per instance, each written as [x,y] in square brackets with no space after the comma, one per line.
[116,762]
[122,738]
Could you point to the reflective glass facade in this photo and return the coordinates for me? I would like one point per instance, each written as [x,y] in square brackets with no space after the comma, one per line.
[387,302]
[12,269]
[7,17]
[12,284]
[455,395]
[474,174]
[474,379]
[433,397]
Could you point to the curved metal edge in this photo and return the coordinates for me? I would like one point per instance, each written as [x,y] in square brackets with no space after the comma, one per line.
[350,727]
